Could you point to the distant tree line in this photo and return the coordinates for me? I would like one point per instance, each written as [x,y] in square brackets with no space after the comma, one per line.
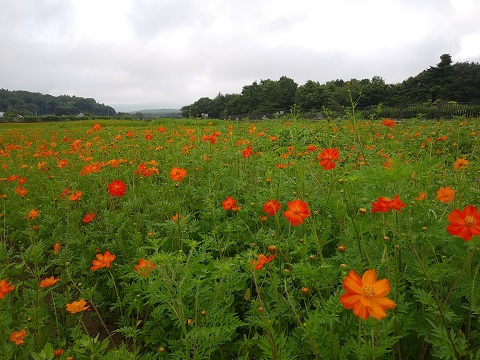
[445,82]
[25,103]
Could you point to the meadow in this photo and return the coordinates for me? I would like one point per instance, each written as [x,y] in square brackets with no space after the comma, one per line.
[277,239]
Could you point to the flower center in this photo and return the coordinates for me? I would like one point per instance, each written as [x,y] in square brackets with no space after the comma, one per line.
[470,220]
[368,291]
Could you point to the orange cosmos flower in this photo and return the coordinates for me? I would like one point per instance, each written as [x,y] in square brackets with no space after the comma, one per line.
[117,188]
[21,191]
[247,152]
[445,194]
[271,207]
[366,296]
[42,166]
[104,260]
[18,336]
[421,196]
[32,214]
[311,148]
[327,158]
[12,178]
[58,352]
[230,204]
[62,163]
[262,260]
[177,174]
[297,211]
[460,164]
[384,204]
[144,267]
[388,123]
[65,192]
[88,217]
[146,171]
[465,223]
[56,248]
[97,127]
[75,196]
[5,288]
[77,306]
[47,282]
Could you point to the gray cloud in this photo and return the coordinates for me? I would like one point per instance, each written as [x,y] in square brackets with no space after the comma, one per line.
[170,53]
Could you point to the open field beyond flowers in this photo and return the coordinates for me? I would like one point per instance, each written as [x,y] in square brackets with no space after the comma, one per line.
[284,239]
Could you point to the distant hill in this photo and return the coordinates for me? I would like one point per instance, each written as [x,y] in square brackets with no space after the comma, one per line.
[166,113]
[28,103]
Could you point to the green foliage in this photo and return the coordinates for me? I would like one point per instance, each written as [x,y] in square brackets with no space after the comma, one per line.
[198,294]
[27,103]
[440,91]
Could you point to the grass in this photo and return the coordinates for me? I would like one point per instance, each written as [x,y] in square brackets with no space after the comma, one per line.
[196,292]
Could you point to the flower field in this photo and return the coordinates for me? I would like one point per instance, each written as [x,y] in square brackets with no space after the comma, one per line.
[285,239]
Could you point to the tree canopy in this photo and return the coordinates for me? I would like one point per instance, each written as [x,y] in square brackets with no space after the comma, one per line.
[446,81]
[27,103]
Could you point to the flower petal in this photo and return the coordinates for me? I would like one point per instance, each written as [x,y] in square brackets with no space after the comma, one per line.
[361,311]
[369,277]
[377,311]
[381,287]
[352,283]
[349,300]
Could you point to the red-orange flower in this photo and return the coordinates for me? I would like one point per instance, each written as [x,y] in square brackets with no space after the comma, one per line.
[230,204]
[177,174]
[58,352]
[271,207]
[18,336]
[460,164]
[104,260]
[146,171]
[75,196]
[56,248]
[327,158]
[465,223]
[88,217]
[421,196]
[47,282]
[21,191]
[262,260]
[311,148]
[32,214]
[77,306]
[144,267]
[247,152]
[297,212]
[384,204]
[366,296]
[445,194]
[388,123]
[117,188]
[62,163]
[5,288]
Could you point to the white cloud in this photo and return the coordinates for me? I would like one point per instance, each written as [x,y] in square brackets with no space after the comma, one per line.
[172,52]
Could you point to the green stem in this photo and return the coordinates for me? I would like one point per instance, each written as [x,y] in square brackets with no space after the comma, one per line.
[439,307]
[116,291]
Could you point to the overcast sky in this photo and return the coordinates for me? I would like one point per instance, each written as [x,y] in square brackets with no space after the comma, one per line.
[169,53]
